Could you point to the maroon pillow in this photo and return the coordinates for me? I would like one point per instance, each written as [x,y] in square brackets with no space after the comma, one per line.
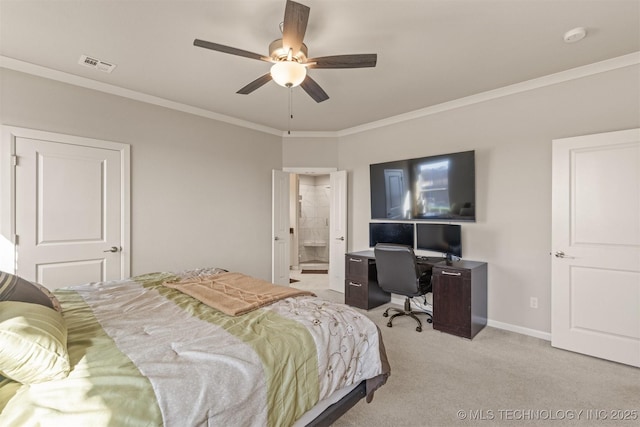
[14,288]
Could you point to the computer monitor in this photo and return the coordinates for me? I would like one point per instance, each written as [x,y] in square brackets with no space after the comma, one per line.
[443,238]
[391,232]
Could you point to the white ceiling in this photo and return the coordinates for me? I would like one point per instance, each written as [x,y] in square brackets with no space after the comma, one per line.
[429,51]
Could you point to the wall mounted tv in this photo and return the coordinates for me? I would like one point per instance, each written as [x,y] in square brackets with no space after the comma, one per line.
[391,232]
[438,187]
[443,238]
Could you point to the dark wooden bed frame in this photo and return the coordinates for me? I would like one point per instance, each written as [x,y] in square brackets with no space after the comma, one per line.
[338,409]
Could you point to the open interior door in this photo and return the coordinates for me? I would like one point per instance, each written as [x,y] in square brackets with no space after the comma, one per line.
[337,229]
[280,228]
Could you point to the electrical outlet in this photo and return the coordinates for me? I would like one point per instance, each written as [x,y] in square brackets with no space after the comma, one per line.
[533,302]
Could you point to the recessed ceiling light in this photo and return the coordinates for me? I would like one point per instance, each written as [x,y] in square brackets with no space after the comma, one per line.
[575,35]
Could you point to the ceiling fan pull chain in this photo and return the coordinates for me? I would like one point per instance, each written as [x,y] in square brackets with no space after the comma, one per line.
[290,109]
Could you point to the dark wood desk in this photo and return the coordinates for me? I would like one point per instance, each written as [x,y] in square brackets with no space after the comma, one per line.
[361,287]
[459,291]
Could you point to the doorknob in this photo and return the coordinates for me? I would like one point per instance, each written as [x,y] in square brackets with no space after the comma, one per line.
[113,249]
[559,254]
[340,238]
[276,238]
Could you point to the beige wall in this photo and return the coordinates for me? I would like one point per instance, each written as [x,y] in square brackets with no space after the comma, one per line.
[201,189]
[512,139]
[309,152]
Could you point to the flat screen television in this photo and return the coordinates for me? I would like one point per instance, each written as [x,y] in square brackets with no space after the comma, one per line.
[443,238]
[438,187]
[391,232]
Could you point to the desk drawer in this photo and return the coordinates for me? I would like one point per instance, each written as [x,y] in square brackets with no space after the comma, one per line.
[356,293]
[356,267]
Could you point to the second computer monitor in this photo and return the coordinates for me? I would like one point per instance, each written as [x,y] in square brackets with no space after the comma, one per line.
[443,238]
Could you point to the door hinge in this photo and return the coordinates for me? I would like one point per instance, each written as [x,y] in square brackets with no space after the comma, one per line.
[14,160]
[16,239]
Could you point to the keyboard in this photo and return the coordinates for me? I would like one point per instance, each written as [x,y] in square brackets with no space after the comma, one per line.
[430,260]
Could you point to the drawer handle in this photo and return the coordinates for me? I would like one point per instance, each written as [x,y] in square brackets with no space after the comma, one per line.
[355,284]
[451,274]
[355,259]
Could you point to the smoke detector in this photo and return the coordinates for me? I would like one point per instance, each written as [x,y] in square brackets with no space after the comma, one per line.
[92,62]
[575,35]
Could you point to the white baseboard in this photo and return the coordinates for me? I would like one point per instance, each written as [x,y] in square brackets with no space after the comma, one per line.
[399,300]
[520,330]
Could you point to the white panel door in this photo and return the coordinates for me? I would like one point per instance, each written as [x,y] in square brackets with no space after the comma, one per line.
[69,212]
[280,228]
[337,229]
[596,245]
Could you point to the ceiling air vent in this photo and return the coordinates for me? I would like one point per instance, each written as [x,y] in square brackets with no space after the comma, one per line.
[89,61]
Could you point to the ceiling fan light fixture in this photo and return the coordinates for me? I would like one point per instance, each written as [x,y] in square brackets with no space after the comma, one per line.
[288,73]
[288,56]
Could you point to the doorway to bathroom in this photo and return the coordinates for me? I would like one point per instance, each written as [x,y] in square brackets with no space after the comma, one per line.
[299,241]
[310,221]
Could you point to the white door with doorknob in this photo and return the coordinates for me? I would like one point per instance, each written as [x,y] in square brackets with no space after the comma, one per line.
[280,228]
[70,209]
[595,257]
[338,230]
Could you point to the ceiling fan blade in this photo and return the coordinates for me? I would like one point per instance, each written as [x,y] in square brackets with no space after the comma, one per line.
[231,50]
[344,61]
[259,82]
[313,89]
[296,16]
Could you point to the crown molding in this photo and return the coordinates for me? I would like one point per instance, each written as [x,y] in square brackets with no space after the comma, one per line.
[310,134]
[37,70]
[552,79]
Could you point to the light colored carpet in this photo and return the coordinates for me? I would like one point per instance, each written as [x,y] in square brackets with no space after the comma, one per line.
[498,378]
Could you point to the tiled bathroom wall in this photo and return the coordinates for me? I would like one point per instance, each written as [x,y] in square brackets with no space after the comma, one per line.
[313,236]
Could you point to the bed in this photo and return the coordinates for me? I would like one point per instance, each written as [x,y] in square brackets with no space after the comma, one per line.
[175,349]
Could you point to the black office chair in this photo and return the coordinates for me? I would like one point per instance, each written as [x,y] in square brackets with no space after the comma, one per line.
[399,273]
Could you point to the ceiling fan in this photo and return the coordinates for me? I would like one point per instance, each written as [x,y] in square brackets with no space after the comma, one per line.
[289,56]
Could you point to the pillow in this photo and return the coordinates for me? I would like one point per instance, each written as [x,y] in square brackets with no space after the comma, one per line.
[14,288]
[33,343]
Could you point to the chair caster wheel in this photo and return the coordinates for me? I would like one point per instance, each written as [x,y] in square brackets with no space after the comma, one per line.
[419,328]
[385,314]
[389,324]
[429,321]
